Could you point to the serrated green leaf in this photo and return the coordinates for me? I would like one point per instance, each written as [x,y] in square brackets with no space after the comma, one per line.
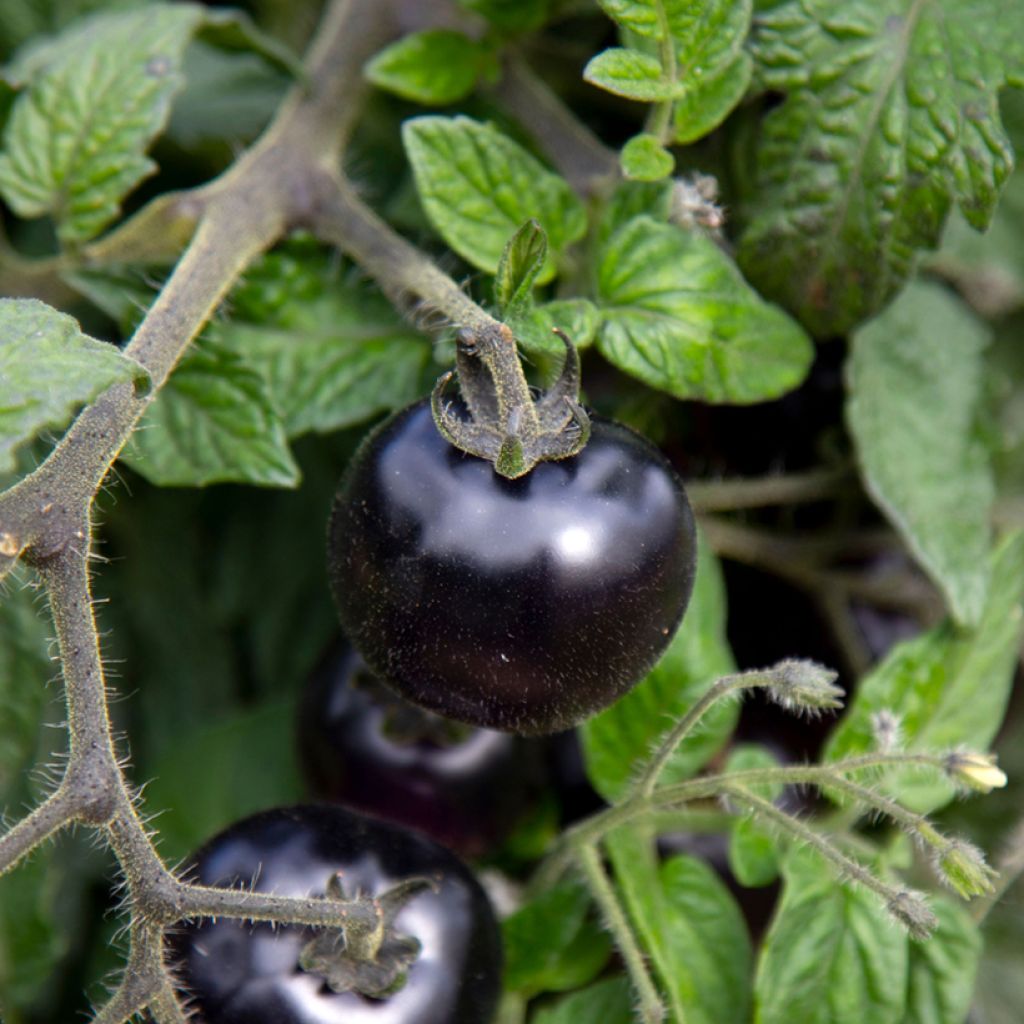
[707,103]
[332,350]
[942,968]
[551,945]
[643,158]
[617,741]
[753,853]
[630,73]
[510,15]
[75,142]
[609,1001]
[212,422]
[521,262]
[891,114]
[914,380]
[259,746]
[49,368]
[477,187]
[436,66]
[832,954]
[949,686]
[691,928]
[680,317]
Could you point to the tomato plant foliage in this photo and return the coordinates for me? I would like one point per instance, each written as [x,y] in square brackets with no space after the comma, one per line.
[783,236]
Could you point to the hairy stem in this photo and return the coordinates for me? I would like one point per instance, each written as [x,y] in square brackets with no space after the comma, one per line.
[762,492]
[651,1006]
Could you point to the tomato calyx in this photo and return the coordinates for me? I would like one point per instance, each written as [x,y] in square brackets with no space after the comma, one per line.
[371,959]
[505,424]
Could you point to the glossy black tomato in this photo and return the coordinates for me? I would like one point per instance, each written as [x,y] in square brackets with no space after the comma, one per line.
[363,745]
[238,973]
[524,605]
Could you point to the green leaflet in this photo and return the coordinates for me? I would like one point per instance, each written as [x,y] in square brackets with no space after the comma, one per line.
[609,1001]
[630,73]
[644,158]
[690,926]
[212,422]
[550,943]
[891,115]
[436,66]
[96,96]
[948,687]
[618,740]
[832,954]
[50,368]
[914,381]
[477,187]
[679,316]
[941,970]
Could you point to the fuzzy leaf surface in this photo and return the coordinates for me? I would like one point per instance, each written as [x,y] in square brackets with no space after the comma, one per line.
[679,316]
[75,142]
[891,115]
[435,66]
[213,422]
[477,187]
[832,954]
[49,368]
[914,381]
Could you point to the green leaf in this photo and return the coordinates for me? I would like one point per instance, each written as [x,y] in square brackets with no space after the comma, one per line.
[634,199]
[477,187]
[617,741]
[75,142]
[680,317]
[832,954]
[259,746]
[891,114]
[510,15]
[49,368]
[645,159]
[534,328]
[949,686]
[942,968]
[630,73]
[705,105]
[609,1001]
[521,262]
[551,945]
[436,66]
[690,926]
[753,854]
[914,382]
[213,422]
[332,351]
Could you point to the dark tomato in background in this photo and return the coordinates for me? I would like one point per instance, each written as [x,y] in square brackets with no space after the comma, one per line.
[524,605]
[238,973]
[363,745]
